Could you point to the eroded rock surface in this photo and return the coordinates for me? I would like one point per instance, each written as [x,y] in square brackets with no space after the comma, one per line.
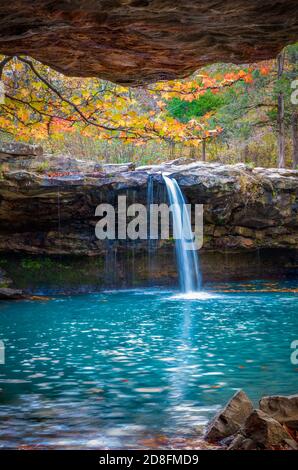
[240,427]
[244,209]
[228,421]
[261,432]
[282,408]
[47,207]
[133,41]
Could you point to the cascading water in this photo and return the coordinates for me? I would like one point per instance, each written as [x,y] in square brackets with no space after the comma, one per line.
[150,201]
[187,257]
[151,241]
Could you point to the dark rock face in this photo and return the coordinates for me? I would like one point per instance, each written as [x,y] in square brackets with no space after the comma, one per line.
[250,217]
[231,418]
[282,408]
[133,41]
[6,293]
[248,208]
[244,209]
[4,280]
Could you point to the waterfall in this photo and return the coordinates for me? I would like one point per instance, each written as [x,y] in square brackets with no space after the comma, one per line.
[187,259]
[150,201]
[151,242]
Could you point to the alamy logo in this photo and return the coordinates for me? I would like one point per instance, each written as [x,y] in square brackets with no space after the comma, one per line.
[136,221]
[2,352]
[294,355]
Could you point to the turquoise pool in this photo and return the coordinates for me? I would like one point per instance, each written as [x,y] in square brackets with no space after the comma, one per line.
[111,369]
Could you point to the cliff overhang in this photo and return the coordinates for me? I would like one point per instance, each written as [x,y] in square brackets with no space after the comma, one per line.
[138,41]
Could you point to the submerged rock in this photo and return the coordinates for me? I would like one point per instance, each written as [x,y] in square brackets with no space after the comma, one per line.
[228,421]
[282,408]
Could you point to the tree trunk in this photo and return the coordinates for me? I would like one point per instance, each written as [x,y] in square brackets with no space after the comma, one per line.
[204,150]
[192,152]
[172,150]
[281,113]
[295,138]
[246,154]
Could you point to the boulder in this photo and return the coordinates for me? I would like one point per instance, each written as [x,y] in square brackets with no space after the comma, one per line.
[228,421]
[260,431]
[282,408]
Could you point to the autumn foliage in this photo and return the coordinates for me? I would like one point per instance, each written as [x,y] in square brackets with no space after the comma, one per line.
[41,102]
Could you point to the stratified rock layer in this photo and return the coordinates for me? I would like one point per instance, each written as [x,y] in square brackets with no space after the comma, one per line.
[244,208]
[250,218]
[133,41]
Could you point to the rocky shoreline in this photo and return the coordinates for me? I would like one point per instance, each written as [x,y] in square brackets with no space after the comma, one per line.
[240,426]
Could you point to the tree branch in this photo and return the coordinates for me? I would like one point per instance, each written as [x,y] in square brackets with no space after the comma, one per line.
[66,100]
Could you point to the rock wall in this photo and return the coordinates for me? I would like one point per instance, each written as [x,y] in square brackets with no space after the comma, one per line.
[250,223]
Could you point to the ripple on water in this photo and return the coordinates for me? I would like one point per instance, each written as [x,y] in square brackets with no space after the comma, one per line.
[111,369]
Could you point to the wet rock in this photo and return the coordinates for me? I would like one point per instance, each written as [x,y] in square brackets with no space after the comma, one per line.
[228,421]
[260,431]
[7,293]
[282,408]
